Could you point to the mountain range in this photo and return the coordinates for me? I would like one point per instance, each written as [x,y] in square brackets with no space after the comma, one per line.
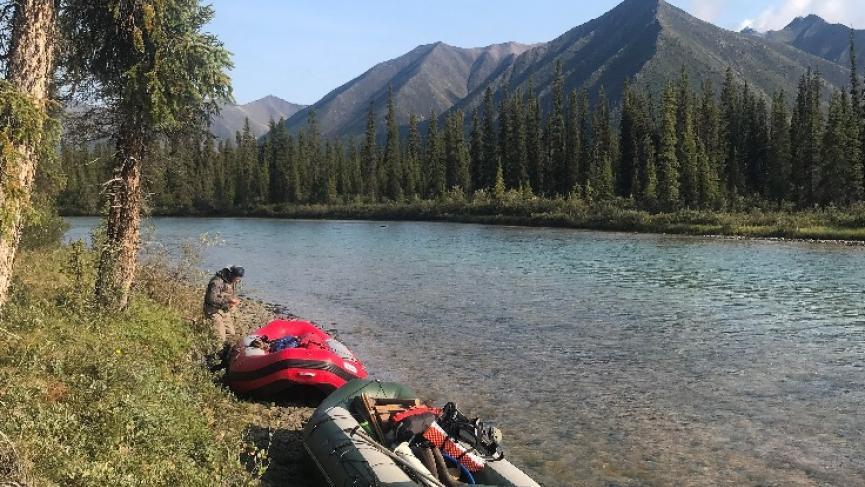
[232,118]
[646,41]
[430,78]
[814,35]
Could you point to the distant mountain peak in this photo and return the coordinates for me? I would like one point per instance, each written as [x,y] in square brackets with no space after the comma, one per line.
[642,3]
[269,98]
[260,112]
[804,22]
[813,34]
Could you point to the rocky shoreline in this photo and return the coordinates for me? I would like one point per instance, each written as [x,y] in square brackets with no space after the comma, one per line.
[274,432]
[839,243]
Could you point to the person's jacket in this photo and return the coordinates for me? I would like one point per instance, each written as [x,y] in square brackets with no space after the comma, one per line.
[219,294]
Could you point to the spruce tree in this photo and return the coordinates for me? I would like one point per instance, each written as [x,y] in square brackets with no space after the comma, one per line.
[649,188]
[342,178]
[668,163]
[857,100]
[519,156]
[476,150]
[836,171]
[313,153]
[156,71]
[282,164]
[412,159]
[262,166]
[499,188]
[686,149]
[392,163]
[355,169]
[337,179]
[226,183]
[841,175]
[534,144]
[434,170]
[557,140]
[247,166]
[629,142]
[758,147]
[707,186]
[369,157]
[573,144]
[302,166]
[602,179]
[730,134]
[490,150]
[813,137]
[506,135]
[856,93]
[320,170]
[779,150]
[708,132]
[856,154]
[293,184]
[456,153]
[584,115]
[798,159]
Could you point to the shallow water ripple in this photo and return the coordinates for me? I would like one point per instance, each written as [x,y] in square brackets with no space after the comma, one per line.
[608,359]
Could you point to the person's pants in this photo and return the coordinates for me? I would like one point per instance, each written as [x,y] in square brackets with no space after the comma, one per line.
[223,325]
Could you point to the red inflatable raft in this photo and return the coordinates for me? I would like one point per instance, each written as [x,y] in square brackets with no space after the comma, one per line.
[313,358]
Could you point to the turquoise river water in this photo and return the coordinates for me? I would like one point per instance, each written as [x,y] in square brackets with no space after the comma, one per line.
[606,358]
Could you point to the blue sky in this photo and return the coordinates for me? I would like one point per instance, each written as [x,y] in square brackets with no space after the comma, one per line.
[300,50]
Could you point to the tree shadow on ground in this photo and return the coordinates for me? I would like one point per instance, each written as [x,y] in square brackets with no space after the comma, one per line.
[275,449]
[286,462]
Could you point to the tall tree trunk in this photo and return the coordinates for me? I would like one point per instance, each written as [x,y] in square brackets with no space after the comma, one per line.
[31,59]
[118,259]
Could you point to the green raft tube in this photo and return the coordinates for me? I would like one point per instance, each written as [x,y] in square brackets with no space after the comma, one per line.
[346,454]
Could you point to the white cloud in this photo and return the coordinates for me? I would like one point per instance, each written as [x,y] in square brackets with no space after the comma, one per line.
[847,12]
[708,10]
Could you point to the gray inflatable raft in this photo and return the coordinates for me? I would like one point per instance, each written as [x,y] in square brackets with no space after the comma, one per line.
[347,456]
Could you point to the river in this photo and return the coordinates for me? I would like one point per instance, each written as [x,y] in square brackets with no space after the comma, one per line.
[606,358]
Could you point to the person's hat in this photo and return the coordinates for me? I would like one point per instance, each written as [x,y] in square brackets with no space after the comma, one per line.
[236,271]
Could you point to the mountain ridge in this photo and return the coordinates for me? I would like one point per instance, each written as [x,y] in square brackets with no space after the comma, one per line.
[429,78]
[661,39]
[813,34]
[647,42]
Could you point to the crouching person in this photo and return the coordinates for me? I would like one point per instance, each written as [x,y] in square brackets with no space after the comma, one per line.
[220,300]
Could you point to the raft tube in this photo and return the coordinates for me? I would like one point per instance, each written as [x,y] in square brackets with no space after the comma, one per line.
[345,455]
[318,360]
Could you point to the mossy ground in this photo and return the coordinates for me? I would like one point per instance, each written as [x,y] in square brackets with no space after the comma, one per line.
[90,398]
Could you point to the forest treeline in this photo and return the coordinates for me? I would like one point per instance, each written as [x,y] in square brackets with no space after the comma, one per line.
[712,148]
